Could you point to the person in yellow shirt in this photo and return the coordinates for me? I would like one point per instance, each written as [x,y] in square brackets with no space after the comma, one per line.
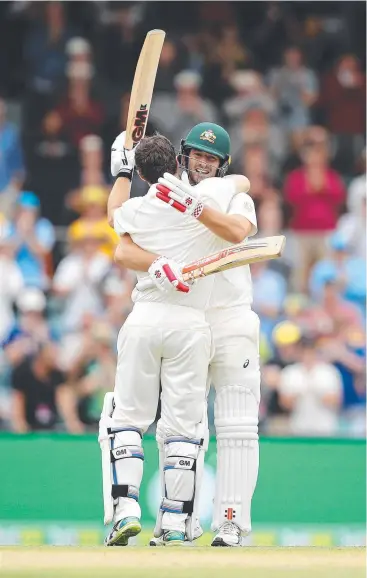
[93,219]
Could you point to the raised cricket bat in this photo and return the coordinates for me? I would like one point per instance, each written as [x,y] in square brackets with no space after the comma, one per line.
[234,256]
[142,89]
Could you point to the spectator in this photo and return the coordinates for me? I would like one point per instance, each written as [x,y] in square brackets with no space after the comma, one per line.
[32,239]
[343,100]
[30,330]
[44,50]
[269,290]
[352,225]
[347,351]
[91,175]
[11,162]
[94,219]
[349,273]
[94,372]
[176,115]
[333,312]
[312,391]
[286,337]
[79,279]
[295,87]
[170,64]
[11,285]
[256,132]
[315,194]
[79,112]
[250,93]
[41,395]
[230,51]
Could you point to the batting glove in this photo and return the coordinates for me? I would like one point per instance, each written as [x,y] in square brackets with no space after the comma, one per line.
[166,275]
[122,160]
[181,196]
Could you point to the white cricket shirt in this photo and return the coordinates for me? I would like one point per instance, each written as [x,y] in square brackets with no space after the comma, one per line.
[233,287]
[158,228]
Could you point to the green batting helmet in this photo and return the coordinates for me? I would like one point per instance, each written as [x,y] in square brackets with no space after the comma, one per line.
[209,138]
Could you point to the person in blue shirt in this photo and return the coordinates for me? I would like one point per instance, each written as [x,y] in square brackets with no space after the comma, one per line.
[342,268]
[11,161]
[32,238]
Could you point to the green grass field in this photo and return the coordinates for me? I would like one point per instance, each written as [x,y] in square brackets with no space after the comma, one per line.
[189,562]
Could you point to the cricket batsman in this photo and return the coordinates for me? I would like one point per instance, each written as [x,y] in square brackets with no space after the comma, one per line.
[165,340]
[234,369]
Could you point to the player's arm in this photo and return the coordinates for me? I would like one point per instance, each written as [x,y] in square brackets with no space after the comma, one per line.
[233,227]
[122,168]
[131,256]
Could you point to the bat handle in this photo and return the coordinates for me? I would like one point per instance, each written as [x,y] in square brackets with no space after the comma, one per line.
[145,283]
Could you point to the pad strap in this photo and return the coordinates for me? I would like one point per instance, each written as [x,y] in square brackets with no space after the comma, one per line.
[177,507]
[124,491]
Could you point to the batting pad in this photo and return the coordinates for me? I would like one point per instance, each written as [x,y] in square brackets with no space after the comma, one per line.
[122,466]
[236,421]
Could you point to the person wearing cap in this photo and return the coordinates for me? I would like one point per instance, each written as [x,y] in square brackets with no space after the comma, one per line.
[348,272]
[31,328]
[174,115]
[204,160]
[93,203]
[32,238]
[286,337]
[79,277]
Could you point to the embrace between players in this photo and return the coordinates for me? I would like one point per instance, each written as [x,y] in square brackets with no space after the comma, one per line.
[183,338]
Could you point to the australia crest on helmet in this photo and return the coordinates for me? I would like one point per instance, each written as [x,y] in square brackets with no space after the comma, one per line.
[208,135]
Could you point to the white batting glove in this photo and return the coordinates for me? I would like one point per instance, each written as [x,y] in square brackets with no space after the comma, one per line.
[166,276]
[181,196]
[122,160]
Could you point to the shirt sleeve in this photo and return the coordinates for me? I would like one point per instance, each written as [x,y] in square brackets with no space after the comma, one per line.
[45,234]
[124,217]
[66,276]
[290,381]
[242,204]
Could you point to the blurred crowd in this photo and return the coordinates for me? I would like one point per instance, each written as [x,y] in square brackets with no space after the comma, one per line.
[288,82]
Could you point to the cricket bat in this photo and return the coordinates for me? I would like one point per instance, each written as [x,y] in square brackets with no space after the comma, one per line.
[234,256]
[142,89]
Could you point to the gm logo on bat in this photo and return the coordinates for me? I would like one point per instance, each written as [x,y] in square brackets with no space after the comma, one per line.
[139,124]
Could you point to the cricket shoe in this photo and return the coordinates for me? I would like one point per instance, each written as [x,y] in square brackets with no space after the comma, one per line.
[198,531]
[122,531]
[169,538]
[229,535]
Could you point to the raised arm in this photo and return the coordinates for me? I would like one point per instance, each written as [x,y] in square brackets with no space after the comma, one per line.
[122,168]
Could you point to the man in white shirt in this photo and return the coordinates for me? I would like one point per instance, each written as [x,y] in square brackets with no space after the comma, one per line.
[235,371]
[166,340]
[312,391]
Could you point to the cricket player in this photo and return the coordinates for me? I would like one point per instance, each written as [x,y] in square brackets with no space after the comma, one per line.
[165,340]
[235,371]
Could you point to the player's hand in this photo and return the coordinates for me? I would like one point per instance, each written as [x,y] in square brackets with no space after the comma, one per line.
[167,276]
[181,196]
[122,160]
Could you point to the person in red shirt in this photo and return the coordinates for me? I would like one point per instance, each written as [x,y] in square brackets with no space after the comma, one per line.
[343,102]
[315,194]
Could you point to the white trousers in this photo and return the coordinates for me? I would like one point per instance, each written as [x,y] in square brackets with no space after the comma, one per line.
[168,345]
[235,374]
